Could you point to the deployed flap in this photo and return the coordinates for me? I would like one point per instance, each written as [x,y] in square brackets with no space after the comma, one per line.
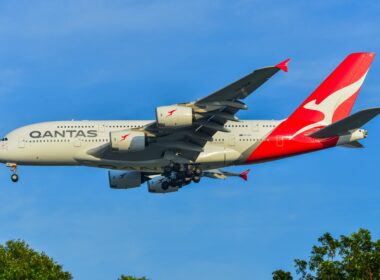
[343,126]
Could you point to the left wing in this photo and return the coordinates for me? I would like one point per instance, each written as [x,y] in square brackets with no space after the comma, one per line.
[208,115]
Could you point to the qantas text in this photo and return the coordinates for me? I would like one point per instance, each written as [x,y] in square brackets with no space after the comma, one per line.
[63,133]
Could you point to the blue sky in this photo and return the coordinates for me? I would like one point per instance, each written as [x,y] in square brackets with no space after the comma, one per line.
[62,60]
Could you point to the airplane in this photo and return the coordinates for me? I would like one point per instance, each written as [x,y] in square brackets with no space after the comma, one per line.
[188,141]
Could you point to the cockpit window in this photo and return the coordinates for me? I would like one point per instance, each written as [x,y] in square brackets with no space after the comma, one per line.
[4,139]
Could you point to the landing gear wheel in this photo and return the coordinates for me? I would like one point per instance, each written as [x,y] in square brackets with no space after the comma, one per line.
[198,171]
[167,171]
[181,175]
[189,172]
[176,167]
[14,178]
[175,183]
[196,179]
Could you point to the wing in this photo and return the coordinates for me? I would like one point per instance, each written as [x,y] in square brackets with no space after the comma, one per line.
[245,86]
[221,174]
[211,113]
[207,116]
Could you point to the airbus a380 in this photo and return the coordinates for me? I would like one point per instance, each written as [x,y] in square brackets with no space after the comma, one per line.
[188,141]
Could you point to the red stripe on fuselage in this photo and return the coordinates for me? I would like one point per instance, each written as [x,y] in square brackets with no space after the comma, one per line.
[278,146]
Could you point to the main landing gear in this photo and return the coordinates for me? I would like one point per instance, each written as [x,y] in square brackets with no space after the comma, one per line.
[179,176]
[14,176]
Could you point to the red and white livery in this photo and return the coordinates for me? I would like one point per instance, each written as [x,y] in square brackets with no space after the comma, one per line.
[197,139]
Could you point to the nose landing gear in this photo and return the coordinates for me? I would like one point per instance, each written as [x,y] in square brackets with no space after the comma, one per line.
[14,176]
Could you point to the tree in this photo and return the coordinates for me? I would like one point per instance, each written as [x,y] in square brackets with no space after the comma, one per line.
[350,257]
[124,277]
[19,261]
[282,275]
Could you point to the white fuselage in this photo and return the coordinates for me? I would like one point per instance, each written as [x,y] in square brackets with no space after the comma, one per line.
[68,143]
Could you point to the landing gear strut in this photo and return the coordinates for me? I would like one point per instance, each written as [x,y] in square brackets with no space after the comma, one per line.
[14,176]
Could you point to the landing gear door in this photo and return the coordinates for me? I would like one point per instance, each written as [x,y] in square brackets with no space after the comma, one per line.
[231,141]
[21,142]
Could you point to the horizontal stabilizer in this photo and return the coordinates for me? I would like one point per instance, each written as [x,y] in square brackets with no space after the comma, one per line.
[343,126]
[244,174]
[354,144]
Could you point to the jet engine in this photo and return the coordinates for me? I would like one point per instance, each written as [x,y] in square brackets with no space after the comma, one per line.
[125,179]
[174,116]
[160,184]
[128,141]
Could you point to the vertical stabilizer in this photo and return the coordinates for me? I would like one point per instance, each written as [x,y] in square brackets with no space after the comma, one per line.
[334,98]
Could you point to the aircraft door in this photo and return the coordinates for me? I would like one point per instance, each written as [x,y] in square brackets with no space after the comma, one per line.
[280,141]
[21,142]
[255,126]
[101,127]
[77,142]
[231,141]
[229,147]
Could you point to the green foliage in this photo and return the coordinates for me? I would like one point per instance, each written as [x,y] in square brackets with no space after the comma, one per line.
[124,277]
[350,257]
[18,261]
[282,275]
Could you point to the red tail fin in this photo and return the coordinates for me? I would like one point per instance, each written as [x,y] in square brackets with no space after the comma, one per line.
[330,102]
[334,98]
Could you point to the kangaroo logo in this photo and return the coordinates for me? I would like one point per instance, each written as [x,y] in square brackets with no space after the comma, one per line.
[171,112]
[328,106]
[123,137]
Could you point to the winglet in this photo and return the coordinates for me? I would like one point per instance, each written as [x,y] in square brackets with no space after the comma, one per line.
[283,65]
[244,175]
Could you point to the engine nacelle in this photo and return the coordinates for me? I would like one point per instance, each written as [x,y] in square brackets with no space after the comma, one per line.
[155,185]
[125,179]
[174,116]
[128,140]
